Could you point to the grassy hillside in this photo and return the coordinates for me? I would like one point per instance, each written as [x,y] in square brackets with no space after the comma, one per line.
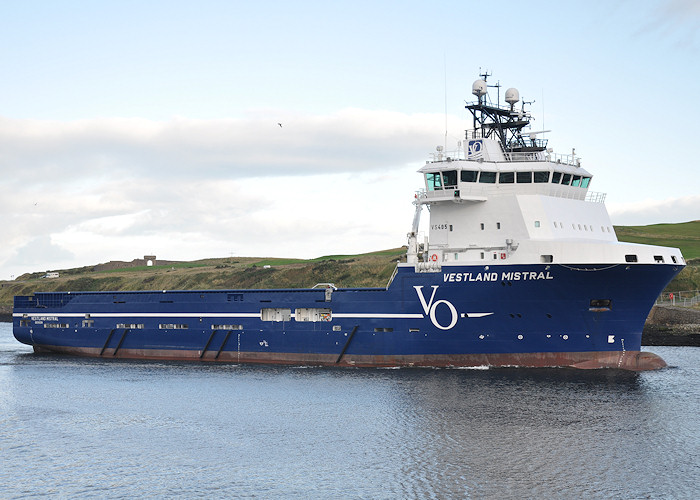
[685,236]
[365,270]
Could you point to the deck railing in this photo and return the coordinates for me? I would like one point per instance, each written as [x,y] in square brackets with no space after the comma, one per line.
[489,190]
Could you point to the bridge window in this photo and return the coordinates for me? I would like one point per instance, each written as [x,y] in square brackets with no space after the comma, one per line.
[450,178]
[556,177]
[577,181]
[506,177]
[524,177]
[468,175]
[566,179]
[487,178]
[541,176]
[585,181]
[434,181]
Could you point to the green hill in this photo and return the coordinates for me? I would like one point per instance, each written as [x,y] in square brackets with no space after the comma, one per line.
[685,236]
[366,270]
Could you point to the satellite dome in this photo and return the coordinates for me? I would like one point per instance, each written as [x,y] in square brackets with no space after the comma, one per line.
[479,88]
[512,96]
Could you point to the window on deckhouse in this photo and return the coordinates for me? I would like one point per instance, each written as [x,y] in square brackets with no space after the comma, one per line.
[487,178]
[468,175]
[506,177]
[434,181]
[541,177]
[449,178]
[524,177]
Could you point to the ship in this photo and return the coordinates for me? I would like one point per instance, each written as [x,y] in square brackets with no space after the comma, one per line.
[519,266]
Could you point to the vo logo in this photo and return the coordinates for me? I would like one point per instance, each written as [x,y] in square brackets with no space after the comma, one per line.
[474,147]
[430,307]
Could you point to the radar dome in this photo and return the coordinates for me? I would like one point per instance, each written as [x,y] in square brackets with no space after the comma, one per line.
[512,96]
[479,88]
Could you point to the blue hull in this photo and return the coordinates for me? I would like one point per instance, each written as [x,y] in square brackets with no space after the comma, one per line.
[534,315]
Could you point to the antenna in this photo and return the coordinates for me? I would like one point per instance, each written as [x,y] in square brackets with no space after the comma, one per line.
[543,128]
[444,59]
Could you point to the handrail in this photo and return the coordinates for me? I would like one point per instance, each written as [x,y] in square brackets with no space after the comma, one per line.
[595,197]
[393,275]
[513,156]
[467,189]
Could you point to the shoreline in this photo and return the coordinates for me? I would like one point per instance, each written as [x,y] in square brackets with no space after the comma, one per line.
[672,326]
[665,326]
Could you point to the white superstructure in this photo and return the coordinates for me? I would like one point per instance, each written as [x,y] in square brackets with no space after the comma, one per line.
[503,197]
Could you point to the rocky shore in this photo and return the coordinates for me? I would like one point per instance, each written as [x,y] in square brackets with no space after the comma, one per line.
[669,325]
[6,313]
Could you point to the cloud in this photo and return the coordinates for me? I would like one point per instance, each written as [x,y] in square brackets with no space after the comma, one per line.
[351,140]
[88,191]
[677,21]
[682,209]
[34,252]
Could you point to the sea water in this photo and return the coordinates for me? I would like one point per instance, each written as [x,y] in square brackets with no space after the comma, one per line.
[78,427]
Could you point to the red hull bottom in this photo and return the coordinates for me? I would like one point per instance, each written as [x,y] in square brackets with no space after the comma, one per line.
[628,360]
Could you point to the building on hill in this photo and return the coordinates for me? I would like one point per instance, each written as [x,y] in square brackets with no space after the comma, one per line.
[148,260]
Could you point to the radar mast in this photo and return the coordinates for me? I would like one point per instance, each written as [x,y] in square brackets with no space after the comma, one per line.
[500,122]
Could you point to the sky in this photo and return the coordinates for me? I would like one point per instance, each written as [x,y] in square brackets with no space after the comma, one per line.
[196,129]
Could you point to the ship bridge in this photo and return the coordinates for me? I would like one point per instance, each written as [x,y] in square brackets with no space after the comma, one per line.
[479,179]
